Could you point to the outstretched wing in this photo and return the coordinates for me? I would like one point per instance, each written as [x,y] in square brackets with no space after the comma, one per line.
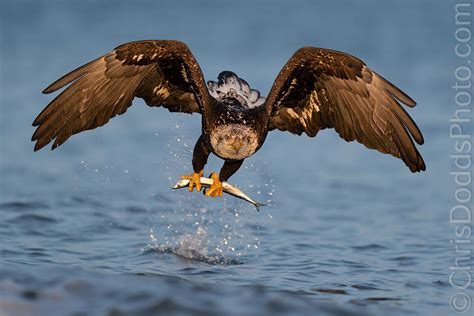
[320,88]
[163,73]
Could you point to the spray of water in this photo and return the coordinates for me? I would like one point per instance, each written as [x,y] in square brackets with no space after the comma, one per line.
[222,231]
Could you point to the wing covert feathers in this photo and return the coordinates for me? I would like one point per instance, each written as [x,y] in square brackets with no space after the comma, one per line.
[163,73]
[320,88]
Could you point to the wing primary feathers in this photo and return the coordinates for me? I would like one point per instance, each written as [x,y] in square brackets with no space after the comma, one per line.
[70,77]
[408,122]
[106,86]
[346,95]
[397,93]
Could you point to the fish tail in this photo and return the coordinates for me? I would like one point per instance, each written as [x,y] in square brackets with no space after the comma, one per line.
[259,205]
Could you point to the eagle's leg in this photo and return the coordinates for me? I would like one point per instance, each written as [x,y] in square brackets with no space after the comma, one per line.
[200,155]
[227,170]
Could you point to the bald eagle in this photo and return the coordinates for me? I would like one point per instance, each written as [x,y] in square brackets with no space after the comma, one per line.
[316,89]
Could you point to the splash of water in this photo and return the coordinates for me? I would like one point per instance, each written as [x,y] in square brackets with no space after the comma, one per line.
[193,246]
[218,235]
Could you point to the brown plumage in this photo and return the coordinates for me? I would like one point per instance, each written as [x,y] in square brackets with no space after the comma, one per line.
[317,89]
[163,73]
[321,88]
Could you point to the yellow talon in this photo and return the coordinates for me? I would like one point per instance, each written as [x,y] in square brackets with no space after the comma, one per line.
[216,188]
[195,180]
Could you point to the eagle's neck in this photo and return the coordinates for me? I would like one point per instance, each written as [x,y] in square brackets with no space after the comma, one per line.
[234,92]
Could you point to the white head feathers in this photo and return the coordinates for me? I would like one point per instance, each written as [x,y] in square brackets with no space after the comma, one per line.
[229,85]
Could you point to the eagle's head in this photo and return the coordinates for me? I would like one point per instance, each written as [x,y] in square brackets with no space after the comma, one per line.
[234,141]
[234,92]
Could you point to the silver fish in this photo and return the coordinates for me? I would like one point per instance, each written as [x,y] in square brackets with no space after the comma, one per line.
[226,187]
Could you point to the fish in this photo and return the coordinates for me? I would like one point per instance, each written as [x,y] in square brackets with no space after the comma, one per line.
[226,187]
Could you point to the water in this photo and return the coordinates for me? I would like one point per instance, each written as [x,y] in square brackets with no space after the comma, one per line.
[93,228]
